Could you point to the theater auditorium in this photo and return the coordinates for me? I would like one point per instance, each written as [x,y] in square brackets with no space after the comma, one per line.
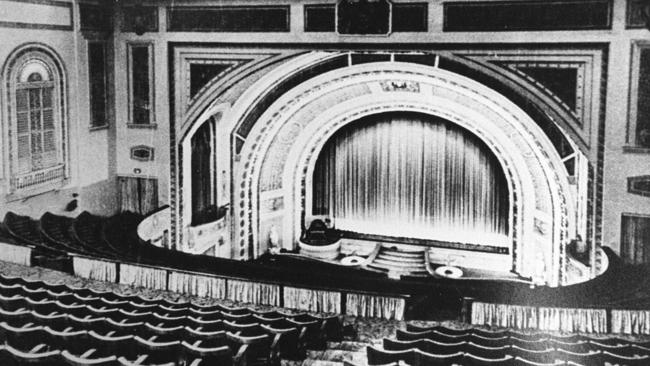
[324,182]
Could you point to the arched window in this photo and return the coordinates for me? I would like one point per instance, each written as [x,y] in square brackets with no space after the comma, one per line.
[36,106]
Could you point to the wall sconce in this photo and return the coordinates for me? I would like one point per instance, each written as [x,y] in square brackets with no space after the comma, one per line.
[137,171]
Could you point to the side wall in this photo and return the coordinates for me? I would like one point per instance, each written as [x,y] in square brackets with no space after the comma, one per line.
[90,160]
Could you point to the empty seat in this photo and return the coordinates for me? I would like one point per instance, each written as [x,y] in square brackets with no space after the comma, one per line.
[205,325]
[314,332]
[207,315]
[75,341]
[586,358]
[291,342]
[204,339]
[96,324]
[519,361]
[161,334]
[73,360]
[167,321]
[15,357]
[54,321]
[221,356]
[538,356]
[537,336]
[578,347]
[539,345]
[425,345]
[155,352]
[111,345]
[256,349]
[615,359]
[15,317]
[25,338]
[331,325]
[377,356]
[470,359]
[438,328]
[487,352]
[489,333]
[488,341]
[429,359]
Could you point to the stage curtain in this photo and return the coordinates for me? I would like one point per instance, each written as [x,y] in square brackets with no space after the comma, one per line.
[253,292]
[312,300]
[540,318]
[631,321]
[371,306]
[197,285]
[143,277]
[412,175]
[18,254]
[94,269]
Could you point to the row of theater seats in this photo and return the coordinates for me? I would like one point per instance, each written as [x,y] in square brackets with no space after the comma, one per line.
[49,324]
[444,346]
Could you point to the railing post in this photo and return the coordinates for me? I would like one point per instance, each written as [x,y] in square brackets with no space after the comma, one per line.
[466,309]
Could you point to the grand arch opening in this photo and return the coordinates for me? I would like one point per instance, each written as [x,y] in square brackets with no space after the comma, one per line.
[386,152]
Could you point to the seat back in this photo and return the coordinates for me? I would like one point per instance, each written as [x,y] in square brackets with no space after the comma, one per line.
[381,357]
[209,356]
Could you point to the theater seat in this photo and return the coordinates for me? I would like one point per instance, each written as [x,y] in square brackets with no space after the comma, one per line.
[519,361]
[430,359]
[538,356]
[472,360]
[587,358]
[381,357]
[20,358]
[290,341]
[72,360]
[221,356]
[614,359]
[426,345]
[256,350]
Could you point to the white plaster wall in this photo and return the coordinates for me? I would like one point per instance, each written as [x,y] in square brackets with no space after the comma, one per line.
[88,150]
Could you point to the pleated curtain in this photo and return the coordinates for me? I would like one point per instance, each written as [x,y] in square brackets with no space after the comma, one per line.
[143,277]
[253,292]
[312,300]
[371,306]
[540,318]
[197,285]
[94,269]
[412,175]
[631,321]
[18,254]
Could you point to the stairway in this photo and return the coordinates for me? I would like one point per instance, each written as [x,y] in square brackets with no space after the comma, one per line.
[399,261]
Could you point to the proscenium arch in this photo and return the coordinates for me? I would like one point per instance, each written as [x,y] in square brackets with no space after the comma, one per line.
[547,211]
